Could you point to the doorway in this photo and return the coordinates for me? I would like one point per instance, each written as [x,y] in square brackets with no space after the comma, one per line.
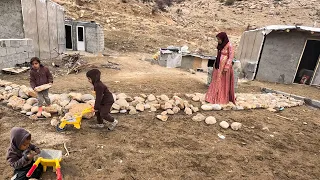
[80,38]
[308,63]
[68,29]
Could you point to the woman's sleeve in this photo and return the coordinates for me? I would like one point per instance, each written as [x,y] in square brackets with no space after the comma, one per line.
[230,57]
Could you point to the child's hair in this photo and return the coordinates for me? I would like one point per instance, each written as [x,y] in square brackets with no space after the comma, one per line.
[35,59]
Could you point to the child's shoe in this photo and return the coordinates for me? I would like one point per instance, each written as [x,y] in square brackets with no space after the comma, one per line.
[113,125]
[97,126]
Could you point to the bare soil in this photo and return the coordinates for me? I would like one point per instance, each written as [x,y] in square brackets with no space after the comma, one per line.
[142,147]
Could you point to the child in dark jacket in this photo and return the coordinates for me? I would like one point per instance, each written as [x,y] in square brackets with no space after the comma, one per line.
[40,75]
[104,100]
[21,153]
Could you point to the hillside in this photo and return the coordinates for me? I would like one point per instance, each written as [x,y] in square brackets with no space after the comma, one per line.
[131,26]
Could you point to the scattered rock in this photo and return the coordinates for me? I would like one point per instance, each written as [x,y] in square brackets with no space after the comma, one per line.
[196,98]
[23,112]
[192,71]
[162,117]
[46,114]
[54,122]
[271,110]
[176,109]
[188,111]
[216,107]
[167,105]
[164,98]
[169,111]
[164,113]
[8,88]
[34,109]
[129,99]
[71,103]
[143,96]
[22,92]
[151,97]
[207,107]
[211,120]
[305,123]
[122,96]
[236,126]
[199,117]
[140,107]
[122,103]
[16,102]
[32,101]
[114,112]
[139,99]
[224,125]
[153,109]
[115,106]
[147,106]
[26,107]
[29,113]
[78,108]
[194,109]
[87,97]
[133,111]
[76,96]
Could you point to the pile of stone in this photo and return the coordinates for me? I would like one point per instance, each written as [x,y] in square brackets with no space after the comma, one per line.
[24,99]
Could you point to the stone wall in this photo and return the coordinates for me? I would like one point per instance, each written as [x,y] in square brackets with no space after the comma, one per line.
[100,37]
[11,23]
[15,51]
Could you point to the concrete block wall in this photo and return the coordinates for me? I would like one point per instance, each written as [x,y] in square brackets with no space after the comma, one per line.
[15,51]
[11,22]
[100,37]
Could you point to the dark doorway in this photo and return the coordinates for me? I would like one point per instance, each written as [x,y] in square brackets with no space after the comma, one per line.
[68,36]
[308,62]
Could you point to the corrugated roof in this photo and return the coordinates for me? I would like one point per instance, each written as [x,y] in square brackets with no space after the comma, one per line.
[268,29]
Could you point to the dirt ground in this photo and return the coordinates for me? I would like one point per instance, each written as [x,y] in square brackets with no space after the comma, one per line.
[142,147]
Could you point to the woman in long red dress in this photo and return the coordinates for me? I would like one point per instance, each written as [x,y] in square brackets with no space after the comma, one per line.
[221,90]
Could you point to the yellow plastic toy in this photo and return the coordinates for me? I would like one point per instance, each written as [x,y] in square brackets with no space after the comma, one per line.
[75,120]
[48,158]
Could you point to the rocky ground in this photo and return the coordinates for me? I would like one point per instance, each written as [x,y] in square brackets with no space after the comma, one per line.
[266,145]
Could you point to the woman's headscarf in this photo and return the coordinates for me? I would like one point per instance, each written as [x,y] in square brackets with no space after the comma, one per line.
[224,38]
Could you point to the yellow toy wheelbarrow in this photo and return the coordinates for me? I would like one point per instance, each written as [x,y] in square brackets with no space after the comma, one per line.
[75,120]
[48,158]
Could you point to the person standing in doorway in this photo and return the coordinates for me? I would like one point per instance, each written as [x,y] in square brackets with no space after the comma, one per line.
[221,90]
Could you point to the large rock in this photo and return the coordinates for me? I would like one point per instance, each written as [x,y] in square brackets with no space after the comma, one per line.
[151,97]
[116,106]
[15,92]
[8,88]
[135,103]
[188,111]
[194,109]
[26,107]
[140,107]
[54,108]
[162,117]
[139,99]
[123,111]
[153,109]
[144,96]
[71,103]
[122,96]
[34,109]
[207,107]
[216,107]
[114,112]
[224,124]
[54,122]
[32,101]
[196,98]
[211,120]
[46,114]
[122,103]
[42,87]
[87,97]
[78,108]
[169,111]
[91,102]
[16,102]
[23,92]
[76,96]
[157,106]
[164,98]
[176,109]
[64,103]
[236,126]
[147,106]
[179,103]
[199,117]
[133,111]
[168,105]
